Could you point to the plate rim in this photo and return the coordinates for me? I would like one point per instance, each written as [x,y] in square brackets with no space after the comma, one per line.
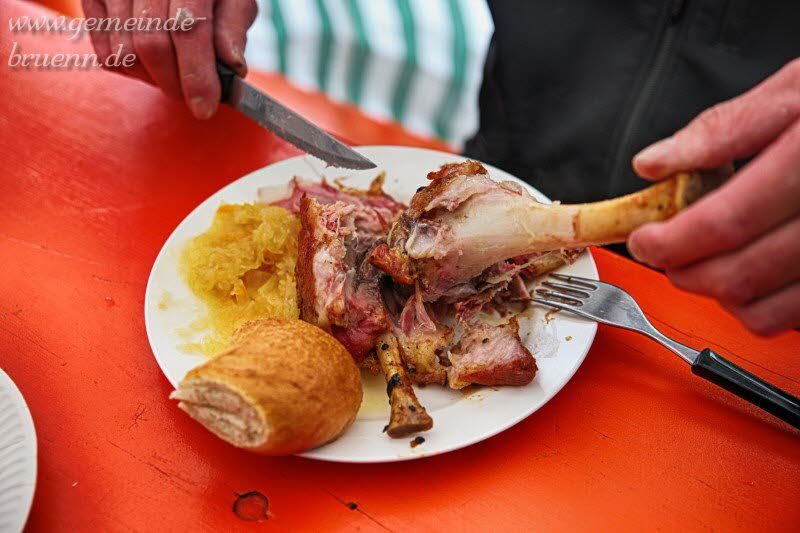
[32,449]
[312,454]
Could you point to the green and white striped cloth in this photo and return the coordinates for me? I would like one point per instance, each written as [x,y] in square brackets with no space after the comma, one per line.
[417,62]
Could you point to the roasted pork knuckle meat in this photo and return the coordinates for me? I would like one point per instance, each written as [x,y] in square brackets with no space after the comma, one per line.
[463,223]
[411,290]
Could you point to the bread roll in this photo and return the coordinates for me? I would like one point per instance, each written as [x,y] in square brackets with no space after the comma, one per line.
[283,386]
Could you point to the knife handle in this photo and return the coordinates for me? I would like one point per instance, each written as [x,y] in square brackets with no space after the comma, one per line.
[226,76]
[743,384]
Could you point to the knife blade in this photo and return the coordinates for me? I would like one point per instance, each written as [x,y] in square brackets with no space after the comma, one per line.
[285,123]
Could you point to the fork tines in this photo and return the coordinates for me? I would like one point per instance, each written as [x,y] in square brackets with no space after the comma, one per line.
[586,283]
[555,298]
[570,290]
[569,293]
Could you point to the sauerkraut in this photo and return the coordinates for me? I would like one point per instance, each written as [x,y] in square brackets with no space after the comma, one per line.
[242,269]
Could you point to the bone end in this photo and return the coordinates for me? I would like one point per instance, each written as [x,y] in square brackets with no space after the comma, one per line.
[691,186]
[407,416]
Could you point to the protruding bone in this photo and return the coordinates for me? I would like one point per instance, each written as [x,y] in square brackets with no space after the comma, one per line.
[446,247]
[408,416]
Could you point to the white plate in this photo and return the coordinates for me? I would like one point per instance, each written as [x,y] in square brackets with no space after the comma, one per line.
[17,457]
[559,344]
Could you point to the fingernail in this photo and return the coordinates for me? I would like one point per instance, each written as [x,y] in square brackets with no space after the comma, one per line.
[201,108]
[655,152]
[240,65]
[635,248]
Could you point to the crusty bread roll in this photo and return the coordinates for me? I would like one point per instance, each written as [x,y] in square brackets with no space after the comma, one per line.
[283,386]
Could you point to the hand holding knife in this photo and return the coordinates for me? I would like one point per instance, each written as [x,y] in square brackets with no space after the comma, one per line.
[285,123]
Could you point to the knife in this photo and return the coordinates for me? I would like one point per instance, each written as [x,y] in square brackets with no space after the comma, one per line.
[285,123]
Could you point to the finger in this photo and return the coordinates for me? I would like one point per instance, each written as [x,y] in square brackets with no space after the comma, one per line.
[95,9]
[196,59]
[154,48]
[760,196]
[121,42]
[743,276]
[232,18]
[732,130]
[120,10]
[773,314]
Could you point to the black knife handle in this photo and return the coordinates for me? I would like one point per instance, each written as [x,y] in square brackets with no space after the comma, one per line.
[743,384]
[226,76]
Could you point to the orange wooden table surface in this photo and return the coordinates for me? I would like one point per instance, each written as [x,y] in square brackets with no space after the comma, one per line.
[96,171]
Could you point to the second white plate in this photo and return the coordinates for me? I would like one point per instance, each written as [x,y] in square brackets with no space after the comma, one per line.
[17,457]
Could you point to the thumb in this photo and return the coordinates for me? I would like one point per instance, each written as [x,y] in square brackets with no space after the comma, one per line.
[734,129]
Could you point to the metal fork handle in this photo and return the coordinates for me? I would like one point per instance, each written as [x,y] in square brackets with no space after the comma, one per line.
[684,352]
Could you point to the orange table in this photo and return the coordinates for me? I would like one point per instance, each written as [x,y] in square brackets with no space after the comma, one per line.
[96,172]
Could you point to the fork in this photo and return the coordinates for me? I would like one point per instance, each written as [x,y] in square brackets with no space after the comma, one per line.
[608,304]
